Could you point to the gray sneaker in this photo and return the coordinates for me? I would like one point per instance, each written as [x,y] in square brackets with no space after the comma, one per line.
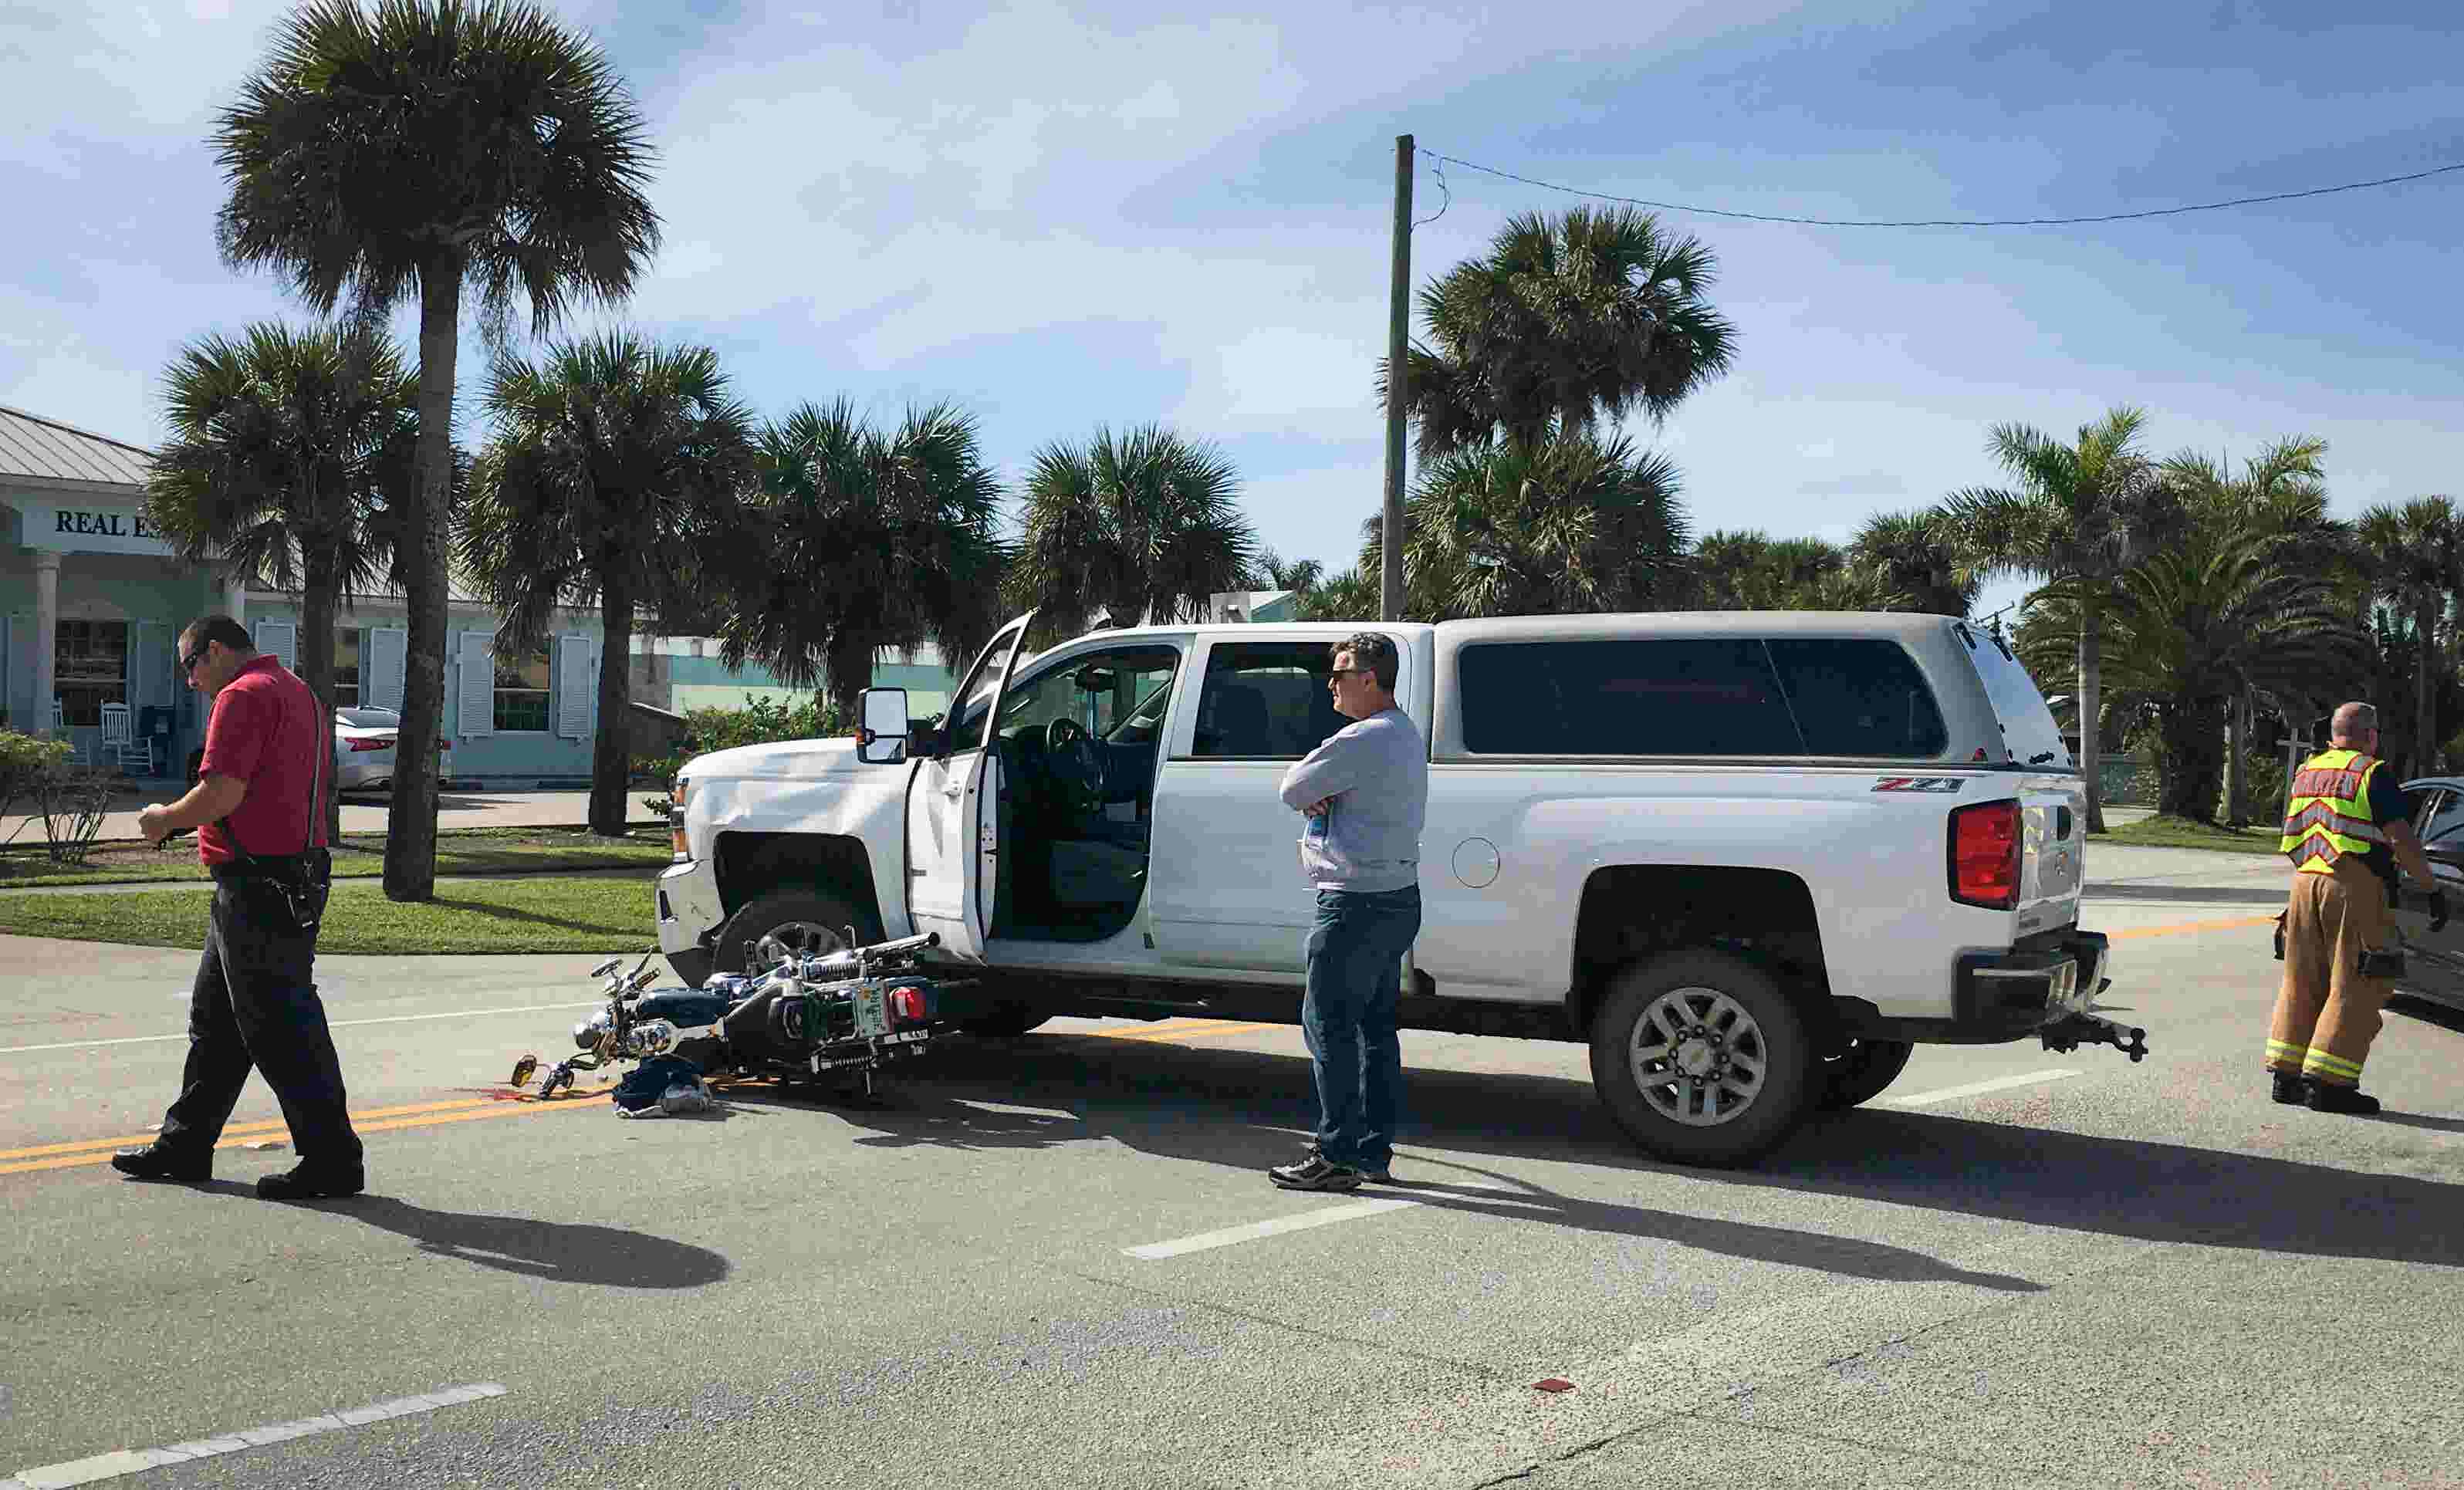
[1314,1173]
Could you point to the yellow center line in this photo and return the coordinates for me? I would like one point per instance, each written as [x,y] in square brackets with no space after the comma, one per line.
[1197,1029]
[2232,923]
[468,1109]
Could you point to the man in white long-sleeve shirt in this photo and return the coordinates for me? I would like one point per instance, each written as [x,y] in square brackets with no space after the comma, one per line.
[1363,796]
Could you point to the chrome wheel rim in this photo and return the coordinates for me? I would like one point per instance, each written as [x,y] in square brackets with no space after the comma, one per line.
[1698,1057]
[792,939]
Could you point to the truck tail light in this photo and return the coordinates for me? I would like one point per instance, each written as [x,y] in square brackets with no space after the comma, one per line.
[911,1006]
[1985,855]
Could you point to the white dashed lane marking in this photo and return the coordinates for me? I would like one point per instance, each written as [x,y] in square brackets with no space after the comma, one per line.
[136,1461]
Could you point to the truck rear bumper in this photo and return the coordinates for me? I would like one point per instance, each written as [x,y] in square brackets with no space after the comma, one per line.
[689,918]
[2005,995]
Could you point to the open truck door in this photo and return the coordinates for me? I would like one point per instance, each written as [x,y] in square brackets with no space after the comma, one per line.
[952,817]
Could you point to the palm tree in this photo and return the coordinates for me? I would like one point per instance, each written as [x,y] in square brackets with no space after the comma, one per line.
[1354,595]
[612,458]
[1750,570]
[1571,526]
[2082,513]
[1562,320]
[2279,498]
[434,150]
[2227,607]
[1139,525]
[1917,553]
[1273,572]
[860,541]
[2414,555]
[289,451]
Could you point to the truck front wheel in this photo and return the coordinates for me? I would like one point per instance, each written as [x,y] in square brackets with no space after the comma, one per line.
[803,921]
[1701,1059]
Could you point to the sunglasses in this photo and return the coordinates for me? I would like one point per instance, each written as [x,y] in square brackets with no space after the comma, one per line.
[189,659]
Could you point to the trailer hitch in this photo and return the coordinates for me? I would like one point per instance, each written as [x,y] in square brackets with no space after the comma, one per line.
[2074,1030]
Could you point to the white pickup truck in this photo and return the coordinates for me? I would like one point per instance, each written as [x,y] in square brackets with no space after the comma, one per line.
[1749,858]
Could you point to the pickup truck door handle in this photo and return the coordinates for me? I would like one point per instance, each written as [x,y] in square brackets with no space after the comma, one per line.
[953,791]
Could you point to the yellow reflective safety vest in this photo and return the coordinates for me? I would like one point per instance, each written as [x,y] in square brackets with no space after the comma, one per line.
[2328,814]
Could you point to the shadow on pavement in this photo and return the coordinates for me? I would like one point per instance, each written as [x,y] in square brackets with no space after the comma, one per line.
[555,1252]
[1247,1109]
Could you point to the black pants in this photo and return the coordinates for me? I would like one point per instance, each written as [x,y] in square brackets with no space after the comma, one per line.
[256,1005]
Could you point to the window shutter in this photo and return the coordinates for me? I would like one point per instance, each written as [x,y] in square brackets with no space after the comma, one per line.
[384,658]
[476,685]
[280,640]
[573,687]
[149,665]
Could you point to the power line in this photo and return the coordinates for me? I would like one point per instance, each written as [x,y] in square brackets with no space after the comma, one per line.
[1948,222]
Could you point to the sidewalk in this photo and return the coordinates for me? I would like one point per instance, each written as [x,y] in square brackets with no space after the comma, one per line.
[367,814]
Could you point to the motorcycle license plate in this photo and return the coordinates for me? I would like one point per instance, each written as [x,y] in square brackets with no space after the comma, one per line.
[872,1010]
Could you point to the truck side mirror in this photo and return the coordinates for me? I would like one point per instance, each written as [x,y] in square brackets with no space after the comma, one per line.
[881,737]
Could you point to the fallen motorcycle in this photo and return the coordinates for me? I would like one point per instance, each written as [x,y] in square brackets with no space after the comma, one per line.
[841,1014]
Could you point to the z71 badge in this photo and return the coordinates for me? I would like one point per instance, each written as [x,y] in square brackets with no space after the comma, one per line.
[1919,783]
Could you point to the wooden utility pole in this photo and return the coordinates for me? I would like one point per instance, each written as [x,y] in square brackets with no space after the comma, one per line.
[1398,334]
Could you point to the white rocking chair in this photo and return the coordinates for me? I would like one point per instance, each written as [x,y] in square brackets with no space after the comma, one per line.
[119,741]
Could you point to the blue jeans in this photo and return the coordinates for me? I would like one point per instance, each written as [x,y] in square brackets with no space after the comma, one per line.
[1356,974]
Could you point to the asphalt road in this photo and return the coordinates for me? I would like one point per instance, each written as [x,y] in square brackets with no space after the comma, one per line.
[2117,1275]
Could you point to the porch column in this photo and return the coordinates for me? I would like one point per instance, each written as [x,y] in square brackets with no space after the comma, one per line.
[235,599]
[46,636]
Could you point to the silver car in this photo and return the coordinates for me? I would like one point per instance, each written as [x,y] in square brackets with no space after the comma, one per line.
[363,749]
[2434,961]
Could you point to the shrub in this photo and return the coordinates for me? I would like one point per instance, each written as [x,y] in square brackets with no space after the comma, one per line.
[761,721]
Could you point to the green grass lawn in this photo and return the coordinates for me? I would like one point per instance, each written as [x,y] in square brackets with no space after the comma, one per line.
[2183,833]
[532,850]
[543,912]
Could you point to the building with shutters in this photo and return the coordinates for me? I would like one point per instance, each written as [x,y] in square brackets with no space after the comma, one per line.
[92,603]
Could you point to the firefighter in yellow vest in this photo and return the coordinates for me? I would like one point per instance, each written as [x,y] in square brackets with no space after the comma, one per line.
[2347,826]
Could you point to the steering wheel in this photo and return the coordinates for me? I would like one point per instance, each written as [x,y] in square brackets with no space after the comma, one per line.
[1074,765]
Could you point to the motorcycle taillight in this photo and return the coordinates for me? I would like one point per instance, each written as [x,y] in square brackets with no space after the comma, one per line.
[911,1005]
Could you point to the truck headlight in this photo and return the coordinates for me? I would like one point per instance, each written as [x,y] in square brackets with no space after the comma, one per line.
[676,822]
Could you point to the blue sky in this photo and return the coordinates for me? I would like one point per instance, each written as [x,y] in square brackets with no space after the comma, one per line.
[1064,215]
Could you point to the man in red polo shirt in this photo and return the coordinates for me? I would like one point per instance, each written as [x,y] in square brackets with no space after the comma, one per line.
[259,806]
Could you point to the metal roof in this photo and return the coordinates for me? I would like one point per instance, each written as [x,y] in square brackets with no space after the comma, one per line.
[39,451]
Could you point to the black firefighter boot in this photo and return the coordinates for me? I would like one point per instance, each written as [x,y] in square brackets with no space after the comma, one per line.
[2329,1097]
[2287,1087]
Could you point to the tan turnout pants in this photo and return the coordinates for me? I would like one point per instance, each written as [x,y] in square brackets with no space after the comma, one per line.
[2327,1012]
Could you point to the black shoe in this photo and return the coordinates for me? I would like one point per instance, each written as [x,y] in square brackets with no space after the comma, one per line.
[2287,1087]
[156,1162]
[2328,1097]
[307,1182]
[1315,1173]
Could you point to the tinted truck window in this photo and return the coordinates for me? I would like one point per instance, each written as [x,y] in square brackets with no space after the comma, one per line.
[1710,696]
[1266,701]
[1858,697]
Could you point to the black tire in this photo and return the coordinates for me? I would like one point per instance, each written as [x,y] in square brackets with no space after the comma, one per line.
[807,920]
[1008,1021]
[1746,1020]
[1861,1072]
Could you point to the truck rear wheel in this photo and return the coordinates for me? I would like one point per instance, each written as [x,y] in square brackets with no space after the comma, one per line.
[1701,1059]
[1861,1072]
[804,921]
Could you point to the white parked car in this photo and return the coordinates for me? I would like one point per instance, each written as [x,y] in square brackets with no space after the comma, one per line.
[363,749]
[1750,858]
